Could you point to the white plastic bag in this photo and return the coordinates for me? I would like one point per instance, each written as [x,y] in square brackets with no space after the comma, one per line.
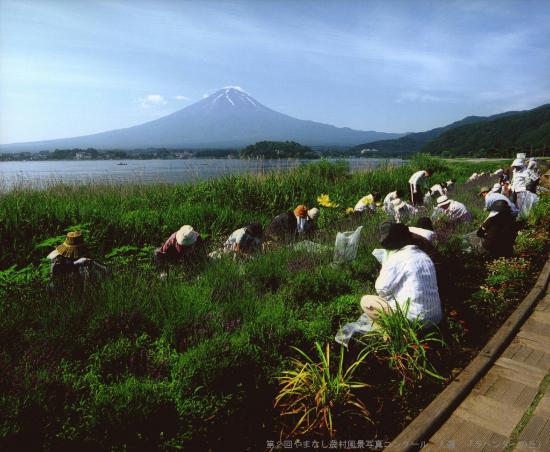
[526,201]
[345,248]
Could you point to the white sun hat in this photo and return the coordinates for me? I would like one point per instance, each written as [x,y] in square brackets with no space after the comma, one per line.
[442,201]
[186,235]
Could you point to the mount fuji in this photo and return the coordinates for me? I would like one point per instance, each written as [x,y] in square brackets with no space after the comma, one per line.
[228,118]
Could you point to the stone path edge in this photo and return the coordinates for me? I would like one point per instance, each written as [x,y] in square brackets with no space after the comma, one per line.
[439,410]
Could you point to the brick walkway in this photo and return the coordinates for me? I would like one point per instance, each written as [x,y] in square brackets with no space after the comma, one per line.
[509,408]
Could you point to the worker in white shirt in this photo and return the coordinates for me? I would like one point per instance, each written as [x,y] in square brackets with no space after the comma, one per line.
[367,203]
[402,211]
[451,209]
[389,198]
[534,175]
[491,197]
[407,276]
[439,189]
[418,185]
[424,228]
[520,178]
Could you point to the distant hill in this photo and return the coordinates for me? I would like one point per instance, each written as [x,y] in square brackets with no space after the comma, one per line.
[414,142]
[229,118]
[496,137]
[278,150]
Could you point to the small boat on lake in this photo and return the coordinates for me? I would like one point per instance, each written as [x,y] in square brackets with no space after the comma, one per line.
[122,163]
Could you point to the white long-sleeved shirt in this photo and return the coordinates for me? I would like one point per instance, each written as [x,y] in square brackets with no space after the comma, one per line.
[456,211]
[409,274]
[404,213]
[439,189]
[416,179]
[534,173]
[426,233]
[520,179]
[492,197]
[387,201]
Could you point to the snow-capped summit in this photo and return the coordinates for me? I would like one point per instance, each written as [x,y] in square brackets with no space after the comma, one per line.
[228,118]
[234,96]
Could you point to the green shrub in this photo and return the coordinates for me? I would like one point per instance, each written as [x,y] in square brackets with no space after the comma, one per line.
[320,285]
[502,288]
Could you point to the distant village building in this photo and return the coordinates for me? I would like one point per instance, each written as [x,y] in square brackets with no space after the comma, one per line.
[366,151]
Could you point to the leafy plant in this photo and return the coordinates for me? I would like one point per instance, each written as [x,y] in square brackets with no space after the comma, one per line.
[316,393]
[404,344]
[506,277]
[531,242]
[130,255]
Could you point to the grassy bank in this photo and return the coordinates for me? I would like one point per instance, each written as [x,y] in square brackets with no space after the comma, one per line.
[189,362]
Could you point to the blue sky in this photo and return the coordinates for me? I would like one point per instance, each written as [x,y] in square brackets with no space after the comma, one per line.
[70,68]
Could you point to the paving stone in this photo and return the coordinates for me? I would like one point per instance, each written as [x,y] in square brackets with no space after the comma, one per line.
[488,414]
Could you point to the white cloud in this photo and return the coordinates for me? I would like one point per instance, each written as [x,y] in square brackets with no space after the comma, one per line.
[181,97]
[151,100]
[204,96]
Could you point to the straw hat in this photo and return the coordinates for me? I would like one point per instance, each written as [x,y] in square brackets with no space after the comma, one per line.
[313,213]
[443,201]
[301,211]
[397,203]
[484,189]
[186,235]
[73,247]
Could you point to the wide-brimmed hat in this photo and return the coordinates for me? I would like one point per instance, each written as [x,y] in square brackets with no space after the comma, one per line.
[186,235]
[484,189]
[300,211]
[443,201]
[73,247]
[313,213]
[394,235]
[496,188]
[397,203]
[518,162]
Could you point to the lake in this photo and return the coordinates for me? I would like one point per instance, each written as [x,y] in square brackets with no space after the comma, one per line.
[41,173]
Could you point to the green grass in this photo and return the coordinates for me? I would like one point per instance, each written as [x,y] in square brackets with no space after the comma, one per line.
[140,362]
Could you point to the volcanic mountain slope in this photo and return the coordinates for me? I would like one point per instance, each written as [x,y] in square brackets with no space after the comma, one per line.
[228,118]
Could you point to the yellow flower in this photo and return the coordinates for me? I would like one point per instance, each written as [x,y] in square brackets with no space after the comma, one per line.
[324,200]
[349,210]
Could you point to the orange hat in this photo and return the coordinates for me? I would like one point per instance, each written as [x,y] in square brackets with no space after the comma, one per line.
[301,211]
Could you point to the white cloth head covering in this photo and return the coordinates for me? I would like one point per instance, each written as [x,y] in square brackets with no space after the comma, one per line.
[313,213]
[496,188]
[186,235]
